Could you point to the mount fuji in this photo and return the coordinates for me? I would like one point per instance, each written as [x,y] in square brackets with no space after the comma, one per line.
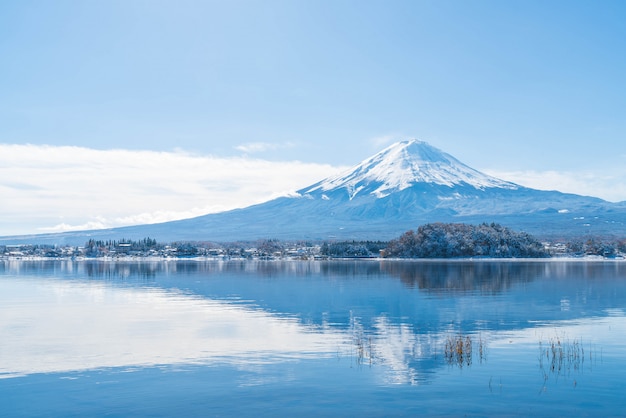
[401,187]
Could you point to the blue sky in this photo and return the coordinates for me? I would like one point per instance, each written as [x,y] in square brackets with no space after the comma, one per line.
[532,91]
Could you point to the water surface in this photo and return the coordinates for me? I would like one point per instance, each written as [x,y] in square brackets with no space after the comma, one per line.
[337,338]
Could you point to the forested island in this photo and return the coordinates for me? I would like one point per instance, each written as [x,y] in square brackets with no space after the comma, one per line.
[429,241]
[454,240]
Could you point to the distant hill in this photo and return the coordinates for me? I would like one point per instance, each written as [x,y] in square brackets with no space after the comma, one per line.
[403,186]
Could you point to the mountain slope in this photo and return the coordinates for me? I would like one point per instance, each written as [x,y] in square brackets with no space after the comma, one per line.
[399,188]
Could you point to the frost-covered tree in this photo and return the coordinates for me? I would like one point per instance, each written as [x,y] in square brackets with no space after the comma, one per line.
[352,248]
[449,240]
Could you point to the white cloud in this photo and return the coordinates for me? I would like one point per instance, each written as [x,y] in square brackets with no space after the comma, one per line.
[610,185]
[255,147]
[380,142]
[51,188]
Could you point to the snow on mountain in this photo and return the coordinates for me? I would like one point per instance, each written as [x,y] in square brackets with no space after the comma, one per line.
[401,166]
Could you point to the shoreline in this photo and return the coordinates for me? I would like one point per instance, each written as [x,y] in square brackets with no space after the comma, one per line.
[153,259]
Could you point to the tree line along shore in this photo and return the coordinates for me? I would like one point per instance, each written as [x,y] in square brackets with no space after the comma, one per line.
[433,240]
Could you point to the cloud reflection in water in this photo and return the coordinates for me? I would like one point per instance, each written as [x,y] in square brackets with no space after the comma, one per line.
[54,326]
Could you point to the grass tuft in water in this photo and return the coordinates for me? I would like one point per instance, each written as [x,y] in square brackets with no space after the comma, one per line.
[560,356]
[459,349]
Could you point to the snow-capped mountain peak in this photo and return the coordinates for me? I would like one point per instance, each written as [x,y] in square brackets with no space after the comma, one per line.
[403,165]
[403,186]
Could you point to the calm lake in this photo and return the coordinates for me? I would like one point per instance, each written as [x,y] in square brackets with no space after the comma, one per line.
[312,338]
